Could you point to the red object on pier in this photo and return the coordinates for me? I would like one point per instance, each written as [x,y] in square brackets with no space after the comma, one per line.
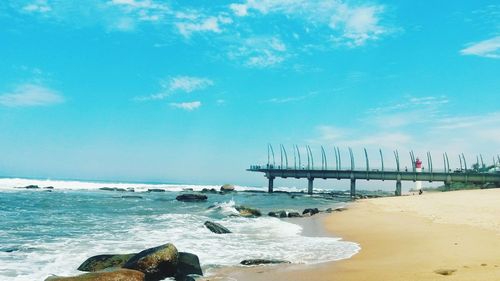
[418,163]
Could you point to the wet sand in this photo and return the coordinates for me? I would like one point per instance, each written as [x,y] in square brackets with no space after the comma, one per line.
[435,236]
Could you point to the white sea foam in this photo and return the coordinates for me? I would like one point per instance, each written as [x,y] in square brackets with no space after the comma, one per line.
[264,237]
[11,183]
[250,238]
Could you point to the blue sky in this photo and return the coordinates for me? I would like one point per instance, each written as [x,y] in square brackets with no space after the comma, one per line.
[190,91]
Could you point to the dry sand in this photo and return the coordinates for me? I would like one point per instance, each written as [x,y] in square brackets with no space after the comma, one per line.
[451,236]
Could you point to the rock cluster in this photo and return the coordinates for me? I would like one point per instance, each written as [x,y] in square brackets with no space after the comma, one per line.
[248,212]
[191,197]
[152,264]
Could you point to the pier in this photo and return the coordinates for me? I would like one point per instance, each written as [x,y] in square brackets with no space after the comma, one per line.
[478,174]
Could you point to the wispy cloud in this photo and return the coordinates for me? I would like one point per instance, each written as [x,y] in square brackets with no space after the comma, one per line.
[489,48]
[194,22]
[352,25]
[411,110]
[29,95]
[186,84]
[39,6]
[291,99]
[260,52]
[188,106]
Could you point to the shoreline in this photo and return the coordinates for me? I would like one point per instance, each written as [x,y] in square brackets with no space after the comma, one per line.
[446,235]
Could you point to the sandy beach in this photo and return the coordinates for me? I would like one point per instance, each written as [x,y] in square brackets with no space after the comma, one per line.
[435,236]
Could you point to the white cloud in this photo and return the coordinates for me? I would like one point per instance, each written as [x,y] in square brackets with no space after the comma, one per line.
[39,6]
[488,48]
[260,52]
[28,95]
[186,84]
[193,22]
[188,106]
[291,99]
[352,25]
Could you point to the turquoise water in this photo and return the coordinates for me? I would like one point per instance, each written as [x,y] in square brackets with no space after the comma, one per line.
[44,233]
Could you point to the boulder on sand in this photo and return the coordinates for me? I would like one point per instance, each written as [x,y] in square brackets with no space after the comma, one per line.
[106,275]
[216,227]
[227,188]
[310,211]
[278,214]
[188,264]
[191,197]
[156,263]
[248,212]
[100,262]
[294,215]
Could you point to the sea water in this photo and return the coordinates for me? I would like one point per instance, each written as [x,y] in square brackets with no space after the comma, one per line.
[46,232]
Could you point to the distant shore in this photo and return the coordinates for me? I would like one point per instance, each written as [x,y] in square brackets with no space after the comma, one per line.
[435,236]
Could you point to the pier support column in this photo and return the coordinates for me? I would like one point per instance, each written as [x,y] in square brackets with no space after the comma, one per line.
[310,185]
[447,185]
[353,187]
[398,188]
[271,185]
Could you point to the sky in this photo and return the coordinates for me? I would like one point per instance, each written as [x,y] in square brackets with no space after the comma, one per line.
[193,91]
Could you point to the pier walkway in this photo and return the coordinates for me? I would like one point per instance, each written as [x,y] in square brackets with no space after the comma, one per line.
[480,174]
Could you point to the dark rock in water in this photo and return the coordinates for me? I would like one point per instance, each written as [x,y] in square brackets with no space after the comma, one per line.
[216,228]
[187,189]
[278,214]
[131,197]
[48,187]
[188,264]
[311,211]
[111,189]
[100,262]
[329,210]
[30,187]
[156,190]
[156,263]
[106,275]
[191,197]
[262,261]
[227,188]
[248,212]
[9,250]
[294,215]
[206,190]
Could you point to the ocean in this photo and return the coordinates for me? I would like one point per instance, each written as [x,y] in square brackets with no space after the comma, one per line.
[52,231]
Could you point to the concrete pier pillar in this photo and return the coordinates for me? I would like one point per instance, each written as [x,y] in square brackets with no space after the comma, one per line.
[447,185]
[271,184]
[310,185]
[353,187]
[398,188]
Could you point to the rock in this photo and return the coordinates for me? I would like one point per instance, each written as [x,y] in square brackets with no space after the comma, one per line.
[111,189]
[187,189]
[294,215]
[180,277]
[156,263]
[227,188]
[278,214]
[131,197]
[310,211]
[30,187]
[262,261]
[248,212]
[49,187]
[100,262]
[216,228]
[107,275]
[206,190]
[329,210]
[188,264]
[156,190]
[191,197]
[130,189]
